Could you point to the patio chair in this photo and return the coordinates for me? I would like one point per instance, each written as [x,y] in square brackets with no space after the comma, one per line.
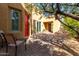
[12,41]
[3,41]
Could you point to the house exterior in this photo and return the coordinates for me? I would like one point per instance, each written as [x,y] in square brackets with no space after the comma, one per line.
[14,19]
[42,24]
[45,24]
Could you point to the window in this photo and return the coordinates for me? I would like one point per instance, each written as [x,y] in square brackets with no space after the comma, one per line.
[38,26]
[15,17]
[34,25]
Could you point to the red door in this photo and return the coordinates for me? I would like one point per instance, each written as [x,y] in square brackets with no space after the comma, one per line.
[26,32]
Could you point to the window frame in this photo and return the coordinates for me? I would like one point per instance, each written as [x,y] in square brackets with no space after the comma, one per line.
[19,19]
[38,26]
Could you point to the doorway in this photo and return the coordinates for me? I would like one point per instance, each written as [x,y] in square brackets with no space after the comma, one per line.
[47,26]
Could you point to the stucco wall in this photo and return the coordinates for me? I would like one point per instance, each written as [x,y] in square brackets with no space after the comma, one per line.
[5,21]
[56,26]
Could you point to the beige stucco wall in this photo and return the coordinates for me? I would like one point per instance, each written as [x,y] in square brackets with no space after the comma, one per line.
[55,23]
[3,17]
[56,26]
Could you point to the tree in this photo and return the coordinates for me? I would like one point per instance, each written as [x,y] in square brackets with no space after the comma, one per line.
[60,10]
[73,24]
[30,7]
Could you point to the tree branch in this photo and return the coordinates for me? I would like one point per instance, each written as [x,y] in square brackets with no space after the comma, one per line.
[57,17]
[58,11]
[45,9]
[69,15]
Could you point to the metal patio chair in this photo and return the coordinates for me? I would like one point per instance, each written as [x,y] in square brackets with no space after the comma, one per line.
[2,43]
[12,41]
